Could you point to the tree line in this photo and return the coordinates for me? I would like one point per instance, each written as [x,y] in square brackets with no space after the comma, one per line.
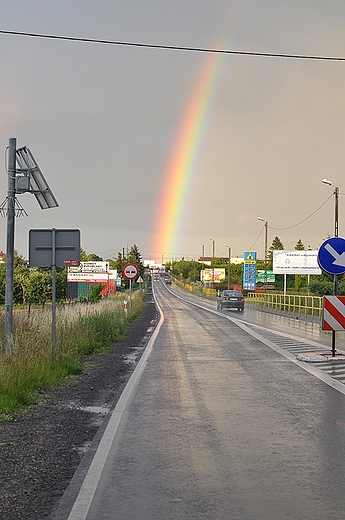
[34,284]
[189,272]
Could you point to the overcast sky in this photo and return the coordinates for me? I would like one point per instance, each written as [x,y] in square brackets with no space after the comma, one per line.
[101,120]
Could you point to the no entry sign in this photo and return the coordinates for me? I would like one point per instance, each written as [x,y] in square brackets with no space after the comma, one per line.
[130,271]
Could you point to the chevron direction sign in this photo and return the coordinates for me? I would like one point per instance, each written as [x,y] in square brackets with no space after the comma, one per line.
[333,313]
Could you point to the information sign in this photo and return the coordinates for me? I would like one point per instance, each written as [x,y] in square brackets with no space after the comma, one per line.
[249,270]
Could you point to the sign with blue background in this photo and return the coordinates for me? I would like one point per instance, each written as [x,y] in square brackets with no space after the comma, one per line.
[331,256]
[249,270]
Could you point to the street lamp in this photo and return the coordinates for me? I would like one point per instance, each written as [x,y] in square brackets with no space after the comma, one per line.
[336,206]
[213,242]
[229,253]
[266,240]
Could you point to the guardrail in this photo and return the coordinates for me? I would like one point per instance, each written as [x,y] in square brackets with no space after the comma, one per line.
[291,303]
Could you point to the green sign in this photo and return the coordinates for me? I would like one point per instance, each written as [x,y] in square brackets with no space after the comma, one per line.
[263,276]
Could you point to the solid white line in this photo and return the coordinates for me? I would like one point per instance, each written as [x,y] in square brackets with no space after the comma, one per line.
[85,496]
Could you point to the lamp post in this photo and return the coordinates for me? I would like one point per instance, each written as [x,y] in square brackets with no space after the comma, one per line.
[229,258]
[202,250]
[336,205]
[336,229]
[266,241]
[212,262]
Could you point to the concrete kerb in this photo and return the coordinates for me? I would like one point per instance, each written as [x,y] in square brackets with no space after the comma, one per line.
[317,357]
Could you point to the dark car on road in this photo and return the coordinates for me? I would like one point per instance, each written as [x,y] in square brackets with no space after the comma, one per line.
[167,280]
[230,300]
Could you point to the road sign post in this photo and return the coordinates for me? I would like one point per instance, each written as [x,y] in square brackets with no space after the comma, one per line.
[54,248]
[331,259]
[130,271]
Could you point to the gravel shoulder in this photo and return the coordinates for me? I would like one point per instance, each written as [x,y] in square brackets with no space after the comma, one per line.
[42,448]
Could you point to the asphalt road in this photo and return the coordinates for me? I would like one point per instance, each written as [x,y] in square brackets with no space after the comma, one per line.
[217,425]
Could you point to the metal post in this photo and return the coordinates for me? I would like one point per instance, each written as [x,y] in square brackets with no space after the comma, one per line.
[11,202]
[53,293]
[130,294]
[229,267]
[229,261]
[266,259]
[335,276]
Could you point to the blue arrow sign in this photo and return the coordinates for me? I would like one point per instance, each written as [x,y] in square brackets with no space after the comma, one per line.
[331,256]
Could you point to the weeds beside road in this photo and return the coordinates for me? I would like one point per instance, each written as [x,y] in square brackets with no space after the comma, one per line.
[30,366]
[43,444]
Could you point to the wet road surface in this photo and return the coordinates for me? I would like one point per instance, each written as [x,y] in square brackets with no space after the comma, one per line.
[220,426]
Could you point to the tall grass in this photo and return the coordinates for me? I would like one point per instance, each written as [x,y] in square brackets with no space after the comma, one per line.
[31,366]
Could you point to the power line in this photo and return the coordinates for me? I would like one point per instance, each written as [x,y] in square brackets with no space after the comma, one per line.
[176,47]
[298,223]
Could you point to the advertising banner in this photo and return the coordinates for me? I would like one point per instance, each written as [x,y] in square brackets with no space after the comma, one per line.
[90,267]
[295,262]
[87,277]
[212,275]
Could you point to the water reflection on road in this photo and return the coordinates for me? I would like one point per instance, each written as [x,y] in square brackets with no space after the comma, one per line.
[289,323]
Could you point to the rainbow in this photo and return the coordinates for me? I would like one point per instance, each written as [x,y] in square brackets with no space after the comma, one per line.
[181,169]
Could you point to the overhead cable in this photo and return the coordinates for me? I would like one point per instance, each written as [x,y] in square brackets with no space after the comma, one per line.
[177,47]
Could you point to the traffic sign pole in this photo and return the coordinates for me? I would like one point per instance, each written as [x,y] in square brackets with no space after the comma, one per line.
[331,259]
[130,271]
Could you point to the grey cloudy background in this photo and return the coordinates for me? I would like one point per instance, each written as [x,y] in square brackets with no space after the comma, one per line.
[101,119]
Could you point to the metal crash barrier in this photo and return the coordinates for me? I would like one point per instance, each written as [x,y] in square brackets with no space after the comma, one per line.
[290,303]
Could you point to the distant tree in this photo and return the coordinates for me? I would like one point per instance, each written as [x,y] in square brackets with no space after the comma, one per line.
[134,257]
[299,245]
[120,262]
[92,257]
[277,245]
[83,255]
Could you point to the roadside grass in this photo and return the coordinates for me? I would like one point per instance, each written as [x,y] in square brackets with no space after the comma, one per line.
[30,366]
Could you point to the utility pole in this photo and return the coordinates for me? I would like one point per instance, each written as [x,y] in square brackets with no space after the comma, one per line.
[229,261]
[11,205]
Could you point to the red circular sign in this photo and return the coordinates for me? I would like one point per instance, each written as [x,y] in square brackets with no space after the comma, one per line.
[130,271]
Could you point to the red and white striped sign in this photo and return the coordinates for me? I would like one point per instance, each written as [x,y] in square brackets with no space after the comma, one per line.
[333,313]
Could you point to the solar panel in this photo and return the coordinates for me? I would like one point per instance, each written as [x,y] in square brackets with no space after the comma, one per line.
[38,184]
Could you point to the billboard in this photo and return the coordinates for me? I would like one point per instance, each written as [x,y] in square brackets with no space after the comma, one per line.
[90,267]
[212,275]
[96,272]
[295,262]
[87,277]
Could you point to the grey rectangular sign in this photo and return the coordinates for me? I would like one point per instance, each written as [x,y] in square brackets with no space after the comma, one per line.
[66,251]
